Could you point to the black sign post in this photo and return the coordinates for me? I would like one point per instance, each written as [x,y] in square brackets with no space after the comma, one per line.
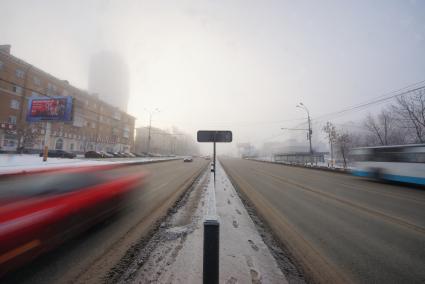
[211,223]
[221,136]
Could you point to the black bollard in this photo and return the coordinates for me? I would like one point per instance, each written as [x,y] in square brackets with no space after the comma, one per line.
[211,251]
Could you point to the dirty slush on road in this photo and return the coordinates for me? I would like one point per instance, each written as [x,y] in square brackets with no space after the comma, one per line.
[172,252]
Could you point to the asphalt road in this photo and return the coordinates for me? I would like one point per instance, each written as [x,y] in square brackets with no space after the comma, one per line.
[90,256]
[339,227]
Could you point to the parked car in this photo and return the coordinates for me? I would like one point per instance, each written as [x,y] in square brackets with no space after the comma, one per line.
[106,154]
[117,155]
[125,155]
[41,210]
[112,154]
[138,155]
[93,154]
[188,159]
[59,154]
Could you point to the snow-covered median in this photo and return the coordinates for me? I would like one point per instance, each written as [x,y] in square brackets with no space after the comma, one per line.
[12,163]
[174,254]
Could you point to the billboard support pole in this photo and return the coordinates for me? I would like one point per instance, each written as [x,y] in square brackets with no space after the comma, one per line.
[46,140]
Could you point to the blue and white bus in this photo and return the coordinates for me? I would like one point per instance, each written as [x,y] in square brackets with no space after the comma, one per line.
[401,163]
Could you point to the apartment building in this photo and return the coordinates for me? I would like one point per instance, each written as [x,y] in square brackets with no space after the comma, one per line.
[95,124]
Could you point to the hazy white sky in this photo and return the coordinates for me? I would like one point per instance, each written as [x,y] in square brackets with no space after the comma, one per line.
[238,65]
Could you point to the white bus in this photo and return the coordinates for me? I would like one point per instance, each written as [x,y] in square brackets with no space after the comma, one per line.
[401,163]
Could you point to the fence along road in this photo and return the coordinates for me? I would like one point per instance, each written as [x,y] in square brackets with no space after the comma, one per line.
[341,228]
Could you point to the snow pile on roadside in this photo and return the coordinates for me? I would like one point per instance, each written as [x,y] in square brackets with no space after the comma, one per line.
[12,163]
[175,252]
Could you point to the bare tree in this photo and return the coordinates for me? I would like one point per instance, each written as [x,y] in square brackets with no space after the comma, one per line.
[344,143]
[411,111]
[384,128]
[331,135]
[28,134]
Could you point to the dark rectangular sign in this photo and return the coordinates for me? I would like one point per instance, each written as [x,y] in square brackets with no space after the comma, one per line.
[214,136]
[55,108]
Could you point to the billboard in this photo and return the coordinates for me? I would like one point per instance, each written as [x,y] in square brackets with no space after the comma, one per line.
[51,108]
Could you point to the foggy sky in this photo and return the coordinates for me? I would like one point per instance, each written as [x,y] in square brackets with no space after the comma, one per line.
[237,65]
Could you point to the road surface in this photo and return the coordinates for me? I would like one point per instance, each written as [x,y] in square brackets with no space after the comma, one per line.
[341,228]
[89,257]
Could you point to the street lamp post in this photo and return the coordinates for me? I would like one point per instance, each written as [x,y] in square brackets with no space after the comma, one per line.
[310,131]
[150,126]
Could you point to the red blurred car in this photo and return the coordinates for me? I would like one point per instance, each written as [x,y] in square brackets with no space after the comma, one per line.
[40,210]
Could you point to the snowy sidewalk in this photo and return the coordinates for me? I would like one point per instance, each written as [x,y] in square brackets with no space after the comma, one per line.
[12,163]
[174,254]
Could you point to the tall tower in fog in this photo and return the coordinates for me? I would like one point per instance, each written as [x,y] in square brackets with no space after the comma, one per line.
[109,77]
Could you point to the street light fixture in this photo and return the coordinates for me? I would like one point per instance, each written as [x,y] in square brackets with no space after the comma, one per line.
[310,131]
[156,110]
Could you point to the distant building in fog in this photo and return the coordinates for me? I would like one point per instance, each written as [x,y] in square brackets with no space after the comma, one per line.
[109,77]
[165,142]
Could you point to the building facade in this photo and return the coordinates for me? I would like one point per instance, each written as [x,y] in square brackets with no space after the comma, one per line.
[164,142]
[95,125]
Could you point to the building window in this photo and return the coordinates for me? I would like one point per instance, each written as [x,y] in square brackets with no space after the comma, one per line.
[59,144]
[51,88]
[93,125]
[17,89]
[72,147]
[34,94]
[1,65]
[117,115]
[36,81]
[20,73]
[14,104]
[12,119]
[126,133]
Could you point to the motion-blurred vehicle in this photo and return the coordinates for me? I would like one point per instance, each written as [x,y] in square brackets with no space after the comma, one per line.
[93,154]
[188,159]
[400,163]
[59,154]
[41,210]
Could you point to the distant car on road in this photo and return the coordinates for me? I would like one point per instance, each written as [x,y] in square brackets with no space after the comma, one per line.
[93,154]
[188,159]
[41,210]
[59,154]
